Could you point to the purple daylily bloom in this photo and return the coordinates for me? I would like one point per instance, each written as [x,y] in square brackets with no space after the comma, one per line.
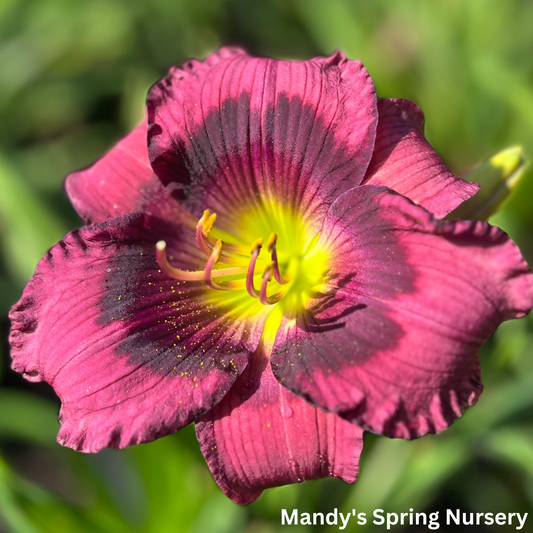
[323,299]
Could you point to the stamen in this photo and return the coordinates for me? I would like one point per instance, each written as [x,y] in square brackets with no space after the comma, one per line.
[229,254]
[271,247]
[207,243]
[255,249]
[202,231]
[263,298]
[208,223]
[208,272]
[186,275]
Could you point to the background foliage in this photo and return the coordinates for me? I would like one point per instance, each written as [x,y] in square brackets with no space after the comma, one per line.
[73,78]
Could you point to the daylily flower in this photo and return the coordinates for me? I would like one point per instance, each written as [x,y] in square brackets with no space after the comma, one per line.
[264,258]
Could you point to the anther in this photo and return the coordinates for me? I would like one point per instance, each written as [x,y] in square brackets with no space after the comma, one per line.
[202,234]
[254,251]
[208,222]
[271,241]
[263,298]
[207,243]
[271,247]
[186,275]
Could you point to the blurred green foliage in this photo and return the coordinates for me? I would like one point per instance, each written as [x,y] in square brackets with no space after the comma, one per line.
[73,78]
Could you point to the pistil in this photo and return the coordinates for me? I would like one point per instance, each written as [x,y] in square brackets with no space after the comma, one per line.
[186,275]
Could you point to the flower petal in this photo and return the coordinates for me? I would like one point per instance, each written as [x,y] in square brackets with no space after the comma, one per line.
[234,131]
[404,161]
[261,435]
[392,343]
[132,354]
[120,183]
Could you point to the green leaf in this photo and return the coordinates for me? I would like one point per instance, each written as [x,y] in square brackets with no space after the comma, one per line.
[513,445]
[26,417]
[27,226]
[10,511]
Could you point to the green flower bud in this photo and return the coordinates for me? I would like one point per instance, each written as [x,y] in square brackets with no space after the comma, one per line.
[498,177]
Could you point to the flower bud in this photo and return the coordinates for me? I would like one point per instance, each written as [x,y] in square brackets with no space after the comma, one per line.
[498,177]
